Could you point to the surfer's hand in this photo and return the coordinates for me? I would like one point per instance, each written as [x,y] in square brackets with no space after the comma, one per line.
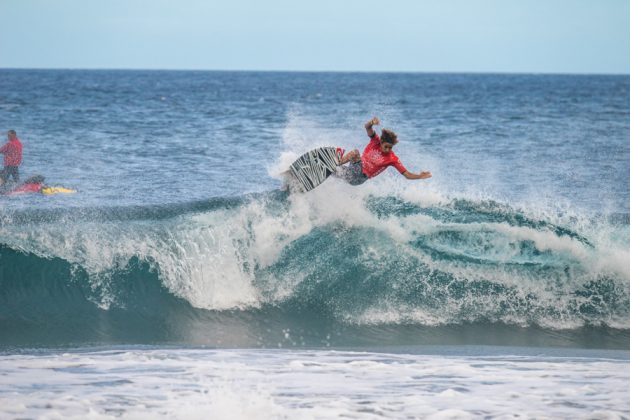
[421,175]
[373,121]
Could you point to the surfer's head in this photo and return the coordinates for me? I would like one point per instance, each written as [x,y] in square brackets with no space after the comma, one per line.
[388,140]
[11,134]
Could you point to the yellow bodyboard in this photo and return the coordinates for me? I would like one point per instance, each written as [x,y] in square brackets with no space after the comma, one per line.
[57,190]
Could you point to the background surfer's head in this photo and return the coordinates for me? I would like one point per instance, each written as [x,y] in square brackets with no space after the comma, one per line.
[388,140]
[11,134]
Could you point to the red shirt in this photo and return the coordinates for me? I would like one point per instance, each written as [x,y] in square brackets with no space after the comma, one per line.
[26,188]
[12,152]
[374,161]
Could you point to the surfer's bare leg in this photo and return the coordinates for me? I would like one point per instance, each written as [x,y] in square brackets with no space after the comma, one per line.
[352,156]
[352,173]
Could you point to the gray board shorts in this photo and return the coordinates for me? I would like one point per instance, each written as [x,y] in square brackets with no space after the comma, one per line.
[353,173]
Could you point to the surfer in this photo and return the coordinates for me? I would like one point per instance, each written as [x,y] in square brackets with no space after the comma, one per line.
[376,157]
[33,184]
[12,151]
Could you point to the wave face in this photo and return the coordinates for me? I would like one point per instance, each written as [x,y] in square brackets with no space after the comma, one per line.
[337,266]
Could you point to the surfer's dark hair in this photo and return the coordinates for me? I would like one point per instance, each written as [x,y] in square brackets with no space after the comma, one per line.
[12,132]
[35,179]
[388,136]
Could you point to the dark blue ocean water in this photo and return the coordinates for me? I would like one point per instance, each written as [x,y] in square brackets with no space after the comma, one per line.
[179,233]
[138,137]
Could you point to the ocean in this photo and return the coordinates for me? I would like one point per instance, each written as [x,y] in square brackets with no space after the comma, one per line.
[182,281]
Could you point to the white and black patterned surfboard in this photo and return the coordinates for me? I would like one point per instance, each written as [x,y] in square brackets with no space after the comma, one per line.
[312,168]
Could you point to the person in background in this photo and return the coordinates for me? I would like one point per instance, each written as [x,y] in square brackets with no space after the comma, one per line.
[12,151]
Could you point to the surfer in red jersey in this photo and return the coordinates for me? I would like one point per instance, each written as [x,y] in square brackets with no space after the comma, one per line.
[376,157]
[12,151]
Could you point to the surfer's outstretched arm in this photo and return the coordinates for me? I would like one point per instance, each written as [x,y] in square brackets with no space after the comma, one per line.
[421,175]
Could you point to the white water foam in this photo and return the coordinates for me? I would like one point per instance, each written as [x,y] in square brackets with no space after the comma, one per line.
[245,384]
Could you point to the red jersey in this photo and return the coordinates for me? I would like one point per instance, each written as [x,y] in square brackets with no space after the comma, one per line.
[374,161]
[26,188]
[12,152]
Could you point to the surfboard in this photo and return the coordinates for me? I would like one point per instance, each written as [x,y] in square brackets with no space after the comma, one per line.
[313,167]
[57,190]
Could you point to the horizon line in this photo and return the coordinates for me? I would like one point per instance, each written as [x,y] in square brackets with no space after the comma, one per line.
[462,72]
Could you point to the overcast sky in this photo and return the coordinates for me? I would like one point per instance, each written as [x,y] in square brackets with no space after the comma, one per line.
[540,36]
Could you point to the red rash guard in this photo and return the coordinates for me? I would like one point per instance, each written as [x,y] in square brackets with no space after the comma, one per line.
[12,152]
[374,161]
[26,188]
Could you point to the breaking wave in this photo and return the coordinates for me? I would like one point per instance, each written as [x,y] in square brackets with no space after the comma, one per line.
[338,266]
